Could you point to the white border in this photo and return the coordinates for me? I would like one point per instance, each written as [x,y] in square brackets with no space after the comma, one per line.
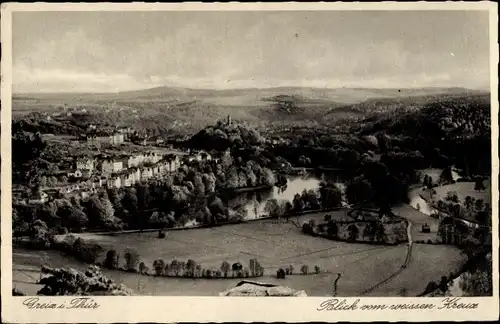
[219,309]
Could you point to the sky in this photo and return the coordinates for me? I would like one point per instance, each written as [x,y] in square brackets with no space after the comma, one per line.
[121,51]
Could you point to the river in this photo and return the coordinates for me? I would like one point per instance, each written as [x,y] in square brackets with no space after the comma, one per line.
[253,203]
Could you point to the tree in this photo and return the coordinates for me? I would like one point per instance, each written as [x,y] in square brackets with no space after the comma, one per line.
[191,267]
[446,176]
[175,266]
[199,185]
[304,269]
[307,229]
[209,180]
[478,282]
[112,260]
[331,195]
[273,208]
[73,217]
[64,282]
[452,196]
[432,286]
[353,232]
[317,269]
[332,229]
[159,266]
[40,235]
[479,185]
[298,203]
[48,214]
[328,218]
[369,231]
[469,202]
[288,208]
[380,232]
[142,268]
[131,259]
[96,212]
[359,190]
[280,274]
[430,183]
[225,267]
[479,204]
[443,284]
[253,265]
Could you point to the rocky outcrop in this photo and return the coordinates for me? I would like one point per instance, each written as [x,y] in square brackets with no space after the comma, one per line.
[252,288]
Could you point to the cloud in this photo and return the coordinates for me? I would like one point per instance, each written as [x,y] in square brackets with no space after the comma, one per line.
[276,49]
[62,80]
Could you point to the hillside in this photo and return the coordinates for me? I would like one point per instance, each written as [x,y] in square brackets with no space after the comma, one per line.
[183,109]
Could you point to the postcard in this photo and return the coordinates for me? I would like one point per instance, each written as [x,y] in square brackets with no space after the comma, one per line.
[182,162]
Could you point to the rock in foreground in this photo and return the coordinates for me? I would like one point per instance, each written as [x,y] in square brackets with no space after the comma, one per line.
[252,288]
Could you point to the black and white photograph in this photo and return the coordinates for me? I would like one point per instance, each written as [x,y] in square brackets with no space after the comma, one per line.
[251,153]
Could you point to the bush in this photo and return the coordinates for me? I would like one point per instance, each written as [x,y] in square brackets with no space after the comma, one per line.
[71,282]
[85,251]
[142,268]
[307,229]
[112,260]
[432,286]
[16,292]
[131,260]
[280,274]
[429,241]
[159,266]
[237,267]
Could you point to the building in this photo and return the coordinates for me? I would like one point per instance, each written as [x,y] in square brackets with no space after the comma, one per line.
[172,162]
[104,139]
[76,174]
[110,166]
[114,182]
[38,198]
[146,173]
[85,164]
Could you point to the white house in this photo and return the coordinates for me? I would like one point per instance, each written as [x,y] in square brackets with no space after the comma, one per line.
[39,198]
[114,182]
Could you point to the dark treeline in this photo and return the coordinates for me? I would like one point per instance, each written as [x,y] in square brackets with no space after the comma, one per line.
[384,151]
[225,135]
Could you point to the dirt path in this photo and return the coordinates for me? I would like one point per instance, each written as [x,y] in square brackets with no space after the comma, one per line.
[403,266]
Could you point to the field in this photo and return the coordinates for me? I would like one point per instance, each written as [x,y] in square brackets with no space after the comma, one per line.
[274,245]
[418,219]
[419,272]
[464,189]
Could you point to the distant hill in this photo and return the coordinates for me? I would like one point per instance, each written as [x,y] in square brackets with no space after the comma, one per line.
[185,108]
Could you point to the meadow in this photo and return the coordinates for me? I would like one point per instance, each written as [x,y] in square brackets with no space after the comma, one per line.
[418,219]
[275,244]
[464,189]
